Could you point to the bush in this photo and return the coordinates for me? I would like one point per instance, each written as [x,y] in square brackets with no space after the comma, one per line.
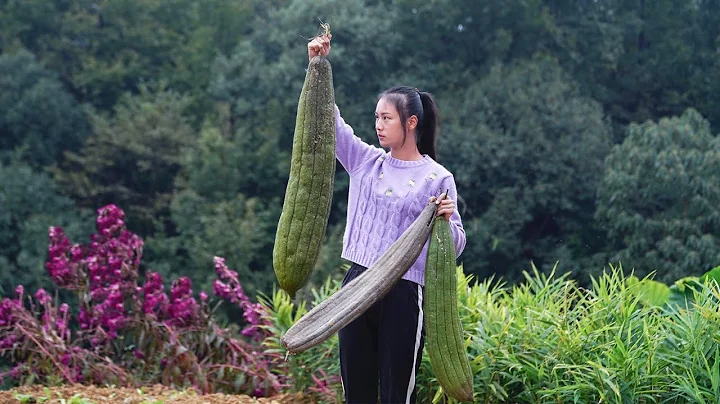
[549,340]
[129,333]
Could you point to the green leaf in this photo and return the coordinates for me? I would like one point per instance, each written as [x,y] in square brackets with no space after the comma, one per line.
[713,274]
[649,291]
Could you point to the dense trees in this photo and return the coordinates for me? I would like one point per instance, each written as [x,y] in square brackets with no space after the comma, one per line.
[39,118]
[582,132]
[528,149]
[659,197]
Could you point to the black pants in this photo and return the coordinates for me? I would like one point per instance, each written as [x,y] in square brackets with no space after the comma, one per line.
[384,345]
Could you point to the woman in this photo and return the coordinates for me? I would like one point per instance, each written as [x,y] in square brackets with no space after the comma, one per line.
[388,190]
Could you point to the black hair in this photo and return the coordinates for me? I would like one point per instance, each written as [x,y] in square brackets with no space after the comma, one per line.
[410,101]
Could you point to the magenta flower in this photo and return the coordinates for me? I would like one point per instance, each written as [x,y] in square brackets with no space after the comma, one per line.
[8,342]
[155,301]
[63,272]
[110,220]
[108,263]
[42,297]
[6,312]
[85,320]
[228,287]
[183,309]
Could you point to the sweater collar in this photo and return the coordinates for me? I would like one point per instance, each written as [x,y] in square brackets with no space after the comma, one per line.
[406,163]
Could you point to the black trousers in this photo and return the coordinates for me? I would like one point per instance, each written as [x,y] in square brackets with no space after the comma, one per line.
[380,351]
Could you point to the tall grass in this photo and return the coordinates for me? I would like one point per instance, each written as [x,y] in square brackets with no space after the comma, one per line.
[548,340]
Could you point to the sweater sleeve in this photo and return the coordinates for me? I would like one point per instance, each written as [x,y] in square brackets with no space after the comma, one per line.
[456,226]
[350,150]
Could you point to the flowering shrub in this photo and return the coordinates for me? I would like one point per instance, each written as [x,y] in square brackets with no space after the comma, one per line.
[128,332]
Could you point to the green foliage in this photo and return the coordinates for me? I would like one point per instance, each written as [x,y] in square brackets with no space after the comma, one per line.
[225,204]
[643,60]
[245,162]
[547,339]
[456,42]
[104,49]
[132,158]
[261,81]
[316,369]
[75,399]
[39,118]
[530,94]
[239,229]
[528,154]
[656,201]
[30,203]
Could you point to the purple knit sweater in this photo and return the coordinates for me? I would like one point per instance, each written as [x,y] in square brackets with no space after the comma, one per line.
[386,195]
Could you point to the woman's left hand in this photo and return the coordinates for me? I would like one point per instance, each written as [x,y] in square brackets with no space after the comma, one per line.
[446,206]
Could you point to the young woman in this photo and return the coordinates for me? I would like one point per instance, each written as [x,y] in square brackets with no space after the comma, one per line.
[381,350]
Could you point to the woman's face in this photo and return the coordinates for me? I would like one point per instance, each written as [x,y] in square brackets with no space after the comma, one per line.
[388,127]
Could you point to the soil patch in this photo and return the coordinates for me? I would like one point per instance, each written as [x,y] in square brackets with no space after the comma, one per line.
[147,395]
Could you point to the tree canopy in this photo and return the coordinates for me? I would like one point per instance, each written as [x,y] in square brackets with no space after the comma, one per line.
[580,133]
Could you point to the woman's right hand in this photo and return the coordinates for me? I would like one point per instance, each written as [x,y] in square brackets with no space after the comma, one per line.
[319,46]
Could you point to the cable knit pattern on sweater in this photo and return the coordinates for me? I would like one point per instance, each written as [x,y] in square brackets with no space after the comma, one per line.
[386,196]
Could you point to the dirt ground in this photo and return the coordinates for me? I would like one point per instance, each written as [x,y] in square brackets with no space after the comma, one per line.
[148,395]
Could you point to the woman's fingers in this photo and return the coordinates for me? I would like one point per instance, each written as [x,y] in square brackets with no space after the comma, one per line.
[315,46]
[326,45]
[446,212]
[319,46]
[446,207]
[441,199]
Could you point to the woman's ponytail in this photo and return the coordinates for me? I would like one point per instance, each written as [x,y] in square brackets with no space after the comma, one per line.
[428,127]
